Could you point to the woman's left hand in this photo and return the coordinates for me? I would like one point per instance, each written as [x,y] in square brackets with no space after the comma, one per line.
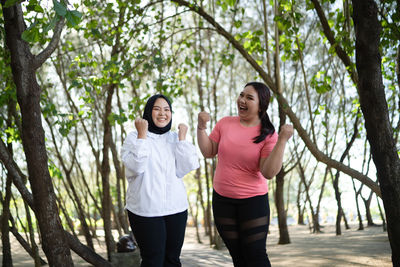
[286,132]
[182,130]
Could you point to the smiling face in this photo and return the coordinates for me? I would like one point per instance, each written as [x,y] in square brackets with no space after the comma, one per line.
[248,104]
[161,113]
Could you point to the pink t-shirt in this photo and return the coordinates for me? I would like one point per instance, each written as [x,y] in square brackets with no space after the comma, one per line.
[238,174]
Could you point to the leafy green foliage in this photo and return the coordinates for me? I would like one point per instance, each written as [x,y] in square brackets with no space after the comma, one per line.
[251,41]
[66,122]
[42,25]
[55,171]
[59,8]
[321,82]
[225,4]
[31,34]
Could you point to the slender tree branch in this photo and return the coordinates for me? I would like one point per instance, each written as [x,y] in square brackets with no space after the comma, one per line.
[45,54]
[331,38]
[15,172]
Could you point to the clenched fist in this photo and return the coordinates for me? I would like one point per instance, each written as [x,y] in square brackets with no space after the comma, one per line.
[141,127]
[182,130]
[203,118]
[286,132]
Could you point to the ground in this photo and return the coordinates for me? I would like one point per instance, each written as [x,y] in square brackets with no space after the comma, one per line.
[369,247]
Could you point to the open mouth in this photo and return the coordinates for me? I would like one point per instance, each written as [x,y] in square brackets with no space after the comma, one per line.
[162,120]
[242,108]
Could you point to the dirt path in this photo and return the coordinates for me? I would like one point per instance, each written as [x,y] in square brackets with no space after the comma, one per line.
[353,248]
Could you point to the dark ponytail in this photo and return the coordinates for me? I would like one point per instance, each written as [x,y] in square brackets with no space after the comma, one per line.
[264,96]
[266,129]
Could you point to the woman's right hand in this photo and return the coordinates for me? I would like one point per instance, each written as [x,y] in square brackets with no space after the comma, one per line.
[208,147]
[203,118]
[141,127]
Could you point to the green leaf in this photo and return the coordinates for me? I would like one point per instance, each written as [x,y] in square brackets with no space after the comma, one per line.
[51,24]
[238,23]
[64,131]
[247,45]
[34,6]
[30,35]
[60,9]
[54,171]
[158,60]
[73,17]
[13,135]
[38,9]
[230,2]
[223,4]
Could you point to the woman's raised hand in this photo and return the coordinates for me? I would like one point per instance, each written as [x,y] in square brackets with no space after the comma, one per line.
[286,132]
[203,118]
[182,130]
[141,127]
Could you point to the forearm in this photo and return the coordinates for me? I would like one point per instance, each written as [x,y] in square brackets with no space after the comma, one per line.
[135,153]
[205,144]
[186,158]
[273,164]
[135,162]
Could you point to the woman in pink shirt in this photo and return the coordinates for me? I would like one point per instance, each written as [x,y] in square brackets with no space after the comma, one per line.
[249,152]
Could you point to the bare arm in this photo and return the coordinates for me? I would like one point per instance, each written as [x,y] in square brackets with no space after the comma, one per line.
[208,147]
[270,166]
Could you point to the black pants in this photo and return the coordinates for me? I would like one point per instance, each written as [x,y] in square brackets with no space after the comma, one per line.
[243,225]
[160,239]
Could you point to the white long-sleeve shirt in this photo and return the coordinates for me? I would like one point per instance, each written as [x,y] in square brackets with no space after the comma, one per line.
[154,168]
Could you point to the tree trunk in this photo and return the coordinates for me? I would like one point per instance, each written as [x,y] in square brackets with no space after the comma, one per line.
[382,215]
[280,207]
[367,204]
[105,175]
[300,209]
[359,216]
[5,228]
[34,246]
[335,182]
[121,215]
[280,177]
[24,66]
[318,208]
[346,223]
[207,212]
[314,218]
[374,107]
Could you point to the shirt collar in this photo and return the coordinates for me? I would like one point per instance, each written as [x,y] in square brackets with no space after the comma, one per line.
[156,136]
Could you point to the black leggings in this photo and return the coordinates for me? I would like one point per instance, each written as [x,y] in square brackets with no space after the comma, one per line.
[160,239]
[243,225]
